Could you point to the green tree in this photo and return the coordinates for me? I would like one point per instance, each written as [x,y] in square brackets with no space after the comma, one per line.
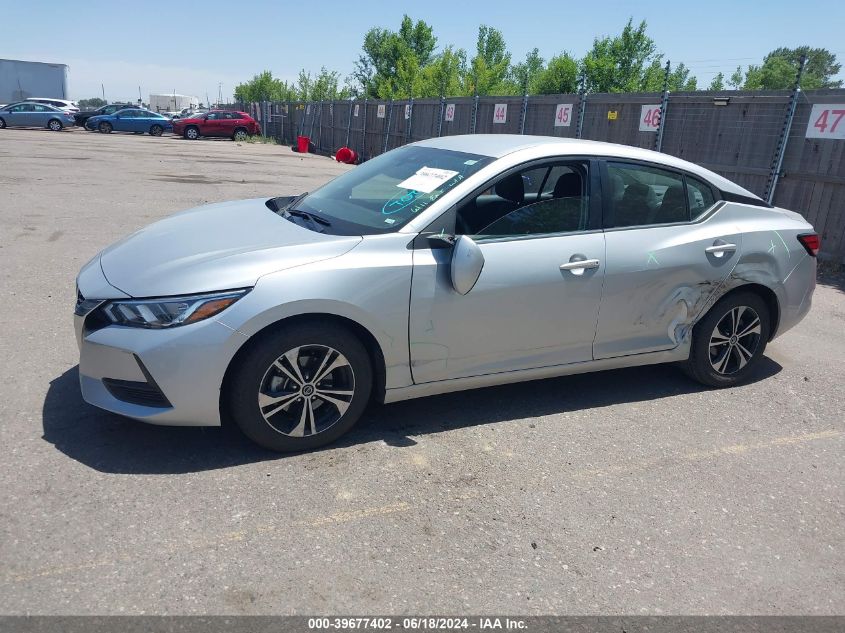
[736,80]
[443,75]
[91,104]
[618,64]
[488,69]
[780,68]
[264,87]
[384,51]
[560,76]
[718,82]
[524,75]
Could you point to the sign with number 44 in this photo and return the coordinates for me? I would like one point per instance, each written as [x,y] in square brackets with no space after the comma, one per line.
[827,120]
[500,113]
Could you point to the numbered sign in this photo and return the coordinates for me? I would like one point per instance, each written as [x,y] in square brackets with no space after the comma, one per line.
[407,111]
[827,120]
[500,113]
[649,118]
[449,112]
[612,115]
[563,115]
[380,111]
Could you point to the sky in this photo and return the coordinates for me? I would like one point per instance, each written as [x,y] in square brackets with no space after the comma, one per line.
[200,48]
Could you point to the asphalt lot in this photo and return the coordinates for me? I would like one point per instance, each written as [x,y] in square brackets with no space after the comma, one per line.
[626,492]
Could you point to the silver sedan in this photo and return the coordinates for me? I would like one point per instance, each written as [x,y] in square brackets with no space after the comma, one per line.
[449,264]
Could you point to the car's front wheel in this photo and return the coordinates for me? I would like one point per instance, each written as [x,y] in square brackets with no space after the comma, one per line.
[301,386]
[2,124]
[105,127]
[730,340]
[191,133]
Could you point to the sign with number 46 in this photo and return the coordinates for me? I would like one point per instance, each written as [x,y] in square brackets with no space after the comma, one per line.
[827,120]
[649,118]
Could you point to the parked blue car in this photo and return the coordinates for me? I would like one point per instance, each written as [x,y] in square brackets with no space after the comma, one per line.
[131,120]
[29,114]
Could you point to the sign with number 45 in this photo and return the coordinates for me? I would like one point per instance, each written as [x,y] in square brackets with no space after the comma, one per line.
[827,120]
[563,115]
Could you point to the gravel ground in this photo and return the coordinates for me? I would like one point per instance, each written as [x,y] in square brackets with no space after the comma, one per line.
[632,491]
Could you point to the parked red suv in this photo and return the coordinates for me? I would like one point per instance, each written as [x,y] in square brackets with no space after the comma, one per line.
[234,125]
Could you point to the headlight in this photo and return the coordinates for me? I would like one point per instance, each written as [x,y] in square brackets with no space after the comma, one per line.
[170,311]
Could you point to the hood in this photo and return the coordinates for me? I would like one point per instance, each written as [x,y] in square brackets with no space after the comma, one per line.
[214,247]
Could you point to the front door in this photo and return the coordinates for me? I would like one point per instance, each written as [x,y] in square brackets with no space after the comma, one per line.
[536,301]
[667,253]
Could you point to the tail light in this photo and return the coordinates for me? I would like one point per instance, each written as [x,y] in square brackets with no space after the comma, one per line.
[811,242]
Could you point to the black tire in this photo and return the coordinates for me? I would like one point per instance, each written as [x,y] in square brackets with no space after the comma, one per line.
[240,134]
[721,358]
[2,124]
[156,130]
[105,127]
[55,125]
[317,345]
[191,133]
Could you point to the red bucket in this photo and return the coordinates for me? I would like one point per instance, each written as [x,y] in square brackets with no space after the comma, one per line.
[346,155]
[302,144]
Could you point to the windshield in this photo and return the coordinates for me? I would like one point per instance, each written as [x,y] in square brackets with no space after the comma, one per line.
[385,193]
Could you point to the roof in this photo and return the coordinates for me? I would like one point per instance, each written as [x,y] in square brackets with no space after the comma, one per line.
[499,145]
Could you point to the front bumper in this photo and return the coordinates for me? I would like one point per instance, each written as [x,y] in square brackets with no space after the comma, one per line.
[168,376]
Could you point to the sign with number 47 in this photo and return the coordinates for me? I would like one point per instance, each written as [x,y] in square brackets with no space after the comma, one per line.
[827,120]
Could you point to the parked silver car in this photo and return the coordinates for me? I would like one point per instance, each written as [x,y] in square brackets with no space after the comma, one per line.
[449,264]
[30,114]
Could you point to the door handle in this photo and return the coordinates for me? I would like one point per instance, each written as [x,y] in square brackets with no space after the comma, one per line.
[581,265]
[718,249]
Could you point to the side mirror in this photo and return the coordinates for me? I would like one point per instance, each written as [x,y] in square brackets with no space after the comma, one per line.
[467,262]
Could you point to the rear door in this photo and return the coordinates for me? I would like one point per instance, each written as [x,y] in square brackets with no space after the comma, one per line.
[667,253]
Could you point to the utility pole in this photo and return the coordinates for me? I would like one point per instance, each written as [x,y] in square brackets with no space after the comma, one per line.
[664,103]
[103,87]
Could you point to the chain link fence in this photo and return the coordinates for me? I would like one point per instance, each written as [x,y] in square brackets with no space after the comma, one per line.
[793,159]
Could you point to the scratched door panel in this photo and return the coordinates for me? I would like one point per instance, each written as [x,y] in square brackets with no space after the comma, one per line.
[657,281]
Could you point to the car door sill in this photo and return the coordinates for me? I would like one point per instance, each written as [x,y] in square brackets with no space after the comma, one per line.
[679,353]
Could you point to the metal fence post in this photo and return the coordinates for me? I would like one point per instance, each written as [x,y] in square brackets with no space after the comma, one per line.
[348,124]
[387,127]
[664,103]
[364,133]
[408,134]
[780,152]
[474,114]
[440,118]
[263,106]
[320,129]
[523,114]
[331,124]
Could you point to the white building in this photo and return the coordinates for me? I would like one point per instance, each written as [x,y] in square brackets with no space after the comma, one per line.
[172,102]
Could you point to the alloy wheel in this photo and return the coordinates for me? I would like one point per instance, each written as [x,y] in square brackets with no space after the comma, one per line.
[735,340]
[306,390]
[240,135]
[55,125]
[192,133]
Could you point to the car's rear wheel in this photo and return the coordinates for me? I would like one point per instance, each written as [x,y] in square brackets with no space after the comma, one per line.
[730,340]
[240,134]
[192,133]
[156,130]
[301,387]
[55,125]
[105,127]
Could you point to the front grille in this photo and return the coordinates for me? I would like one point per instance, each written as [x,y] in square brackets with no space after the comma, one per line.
[133,392]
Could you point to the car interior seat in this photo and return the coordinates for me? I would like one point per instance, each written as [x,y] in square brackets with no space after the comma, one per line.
[673,208]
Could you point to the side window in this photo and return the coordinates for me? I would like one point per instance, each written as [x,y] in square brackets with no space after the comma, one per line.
[213,116]
[639,196]
[537,201]
[236,115]
[700,197]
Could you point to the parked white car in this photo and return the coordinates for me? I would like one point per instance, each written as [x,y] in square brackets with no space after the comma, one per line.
[61,104]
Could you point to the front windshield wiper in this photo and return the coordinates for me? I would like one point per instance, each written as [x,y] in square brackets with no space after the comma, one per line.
[308,216]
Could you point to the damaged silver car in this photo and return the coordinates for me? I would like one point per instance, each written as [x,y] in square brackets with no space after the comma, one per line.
[448,264]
